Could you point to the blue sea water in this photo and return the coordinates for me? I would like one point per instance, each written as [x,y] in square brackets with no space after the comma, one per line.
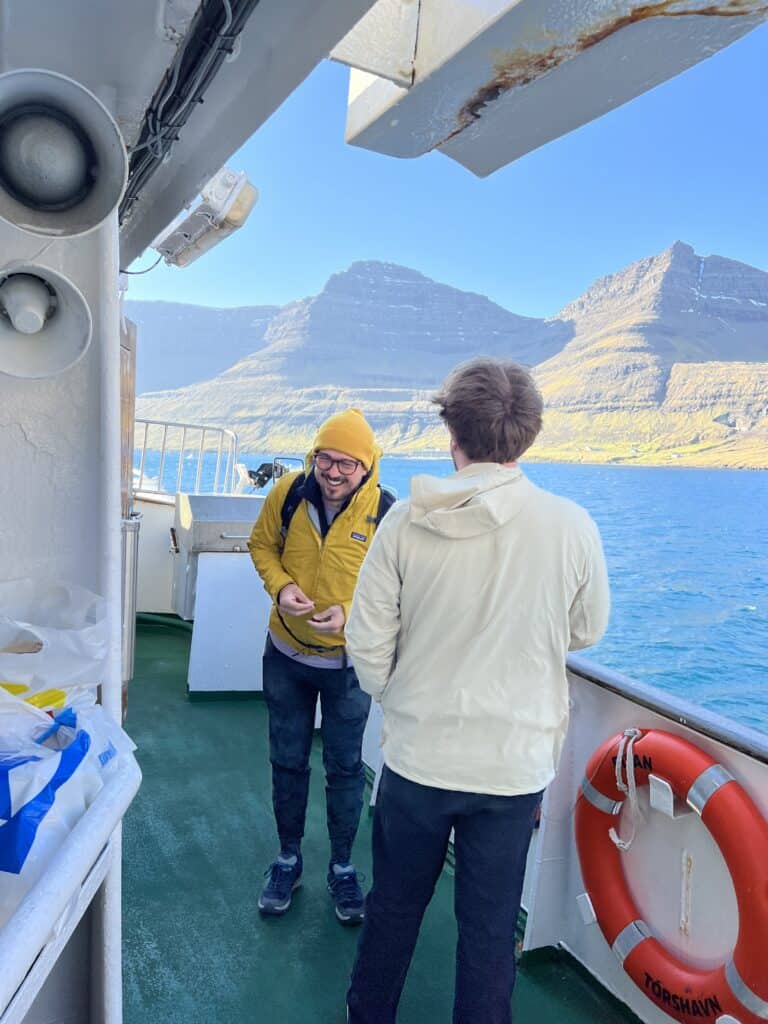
[687,552]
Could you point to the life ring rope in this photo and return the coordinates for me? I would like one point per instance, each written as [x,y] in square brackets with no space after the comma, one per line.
[625,765]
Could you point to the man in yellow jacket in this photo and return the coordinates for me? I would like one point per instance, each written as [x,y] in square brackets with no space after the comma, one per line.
[308,545]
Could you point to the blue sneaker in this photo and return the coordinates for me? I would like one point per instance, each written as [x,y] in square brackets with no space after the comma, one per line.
[283,877]
[344,887]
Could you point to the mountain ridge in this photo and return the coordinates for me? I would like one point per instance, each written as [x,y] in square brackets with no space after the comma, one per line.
[665,360]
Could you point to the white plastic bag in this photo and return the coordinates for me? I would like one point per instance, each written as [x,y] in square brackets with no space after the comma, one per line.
[62,631]
[108,740]
[50,772]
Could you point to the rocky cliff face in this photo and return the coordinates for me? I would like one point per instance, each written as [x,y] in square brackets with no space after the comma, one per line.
[181,344]
[381,325]
[668,361]
[631,328]
[665,360]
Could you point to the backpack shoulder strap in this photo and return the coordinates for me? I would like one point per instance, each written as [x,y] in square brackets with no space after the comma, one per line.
[291,502]
[386,500]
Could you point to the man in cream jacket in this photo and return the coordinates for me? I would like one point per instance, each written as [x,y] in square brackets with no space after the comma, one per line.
[468,601]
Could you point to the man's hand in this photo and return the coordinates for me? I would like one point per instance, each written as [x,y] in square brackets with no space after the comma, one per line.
[330,621]
[294,601]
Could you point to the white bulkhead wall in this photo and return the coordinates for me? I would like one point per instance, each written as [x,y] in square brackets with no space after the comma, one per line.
[60,519]
[59,436]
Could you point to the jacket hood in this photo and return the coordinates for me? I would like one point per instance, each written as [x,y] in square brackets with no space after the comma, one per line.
[473,501]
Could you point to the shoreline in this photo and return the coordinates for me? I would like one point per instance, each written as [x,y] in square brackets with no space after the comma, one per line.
[433,456]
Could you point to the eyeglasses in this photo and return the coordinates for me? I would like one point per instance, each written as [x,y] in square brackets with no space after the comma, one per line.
[346,466]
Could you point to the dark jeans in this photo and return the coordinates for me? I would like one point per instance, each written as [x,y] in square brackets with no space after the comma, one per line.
[291,691]
[410,839]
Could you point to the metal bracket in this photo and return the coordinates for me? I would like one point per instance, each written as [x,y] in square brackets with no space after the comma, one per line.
[587,911]
[663,798]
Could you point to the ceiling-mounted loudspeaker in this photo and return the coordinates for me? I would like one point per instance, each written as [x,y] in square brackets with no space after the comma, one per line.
[63,165]
[45,323]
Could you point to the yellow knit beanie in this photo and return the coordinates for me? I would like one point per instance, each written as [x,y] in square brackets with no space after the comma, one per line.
[348,432]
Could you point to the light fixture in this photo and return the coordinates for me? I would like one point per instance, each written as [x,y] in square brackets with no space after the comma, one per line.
[224,206]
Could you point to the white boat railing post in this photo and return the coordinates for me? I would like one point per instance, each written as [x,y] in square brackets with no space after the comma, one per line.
[143,455]
[218,463]
[200,457]
[229,476]
[181,458]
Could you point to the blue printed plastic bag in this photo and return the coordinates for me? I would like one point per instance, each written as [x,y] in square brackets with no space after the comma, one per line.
[28,787]
[50,772]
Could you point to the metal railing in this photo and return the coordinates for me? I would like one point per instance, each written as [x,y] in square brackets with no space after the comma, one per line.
[212,451]
[676,709]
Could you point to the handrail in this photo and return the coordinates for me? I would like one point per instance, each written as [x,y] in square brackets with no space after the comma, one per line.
[716,727]
[34,922]
[219,441]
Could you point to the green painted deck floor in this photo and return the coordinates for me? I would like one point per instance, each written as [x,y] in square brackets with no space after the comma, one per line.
[197,840]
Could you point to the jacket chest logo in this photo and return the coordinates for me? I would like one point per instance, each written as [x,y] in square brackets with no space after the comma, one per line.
[359,536]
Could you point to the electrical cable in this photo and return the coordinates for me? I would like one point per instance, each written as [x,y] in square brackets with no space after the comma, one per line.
[135,273]
[211,39]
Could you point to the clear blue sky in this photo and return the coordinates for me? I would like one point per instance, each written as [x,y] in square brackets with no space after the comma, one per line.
[688,160]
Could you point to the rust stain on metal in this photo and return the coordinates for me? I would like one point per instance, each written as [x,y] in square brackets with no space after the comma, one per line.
[521,67]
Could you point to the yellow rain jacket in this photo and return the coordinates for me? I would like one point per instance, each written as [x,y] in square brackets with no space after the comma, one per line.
[325,569]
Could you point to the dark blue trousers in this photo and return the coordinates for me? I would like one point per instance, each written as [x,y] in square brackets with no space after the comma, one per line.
[291,691]
[411,830]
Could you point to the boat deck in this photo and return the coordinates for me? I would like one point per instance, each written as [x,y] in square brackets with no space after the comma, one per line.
[197,840]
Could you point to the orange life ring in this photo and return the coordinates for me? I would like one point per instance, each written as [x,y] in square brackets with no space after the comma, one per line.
[737,988]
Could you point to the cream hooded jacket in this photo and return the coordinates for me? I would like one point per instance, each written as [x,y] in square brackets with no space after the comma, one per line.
[469,598]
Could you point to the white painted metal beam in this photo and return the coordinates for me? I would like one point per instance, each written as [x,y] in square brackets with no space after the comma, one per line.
[281,44]
[495,79]
[383,42]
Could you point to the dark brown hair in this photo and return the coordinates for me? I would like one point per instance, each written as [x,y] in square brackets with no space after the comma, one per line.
[492,407]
